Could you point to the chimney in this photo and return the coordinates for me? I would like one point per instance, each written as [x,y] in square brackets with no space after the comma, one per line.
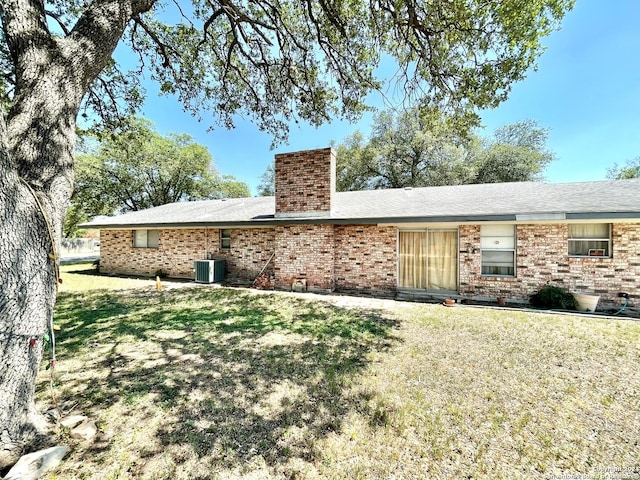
[305,183]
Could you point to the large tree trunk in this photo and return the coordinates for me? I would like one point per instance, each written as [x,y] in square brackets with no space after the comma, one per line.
[36,184]
[36,170]
[27,295]
[36,176]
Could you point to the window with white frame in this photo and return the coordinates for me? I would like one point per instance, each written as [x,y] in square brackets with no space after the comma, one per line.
[145,238]
[225,239]
[498,250]
[590,240]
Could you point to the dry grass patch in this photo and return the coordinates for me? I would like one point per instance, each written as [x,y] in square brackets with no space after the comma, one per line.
[199,383]
[472,393]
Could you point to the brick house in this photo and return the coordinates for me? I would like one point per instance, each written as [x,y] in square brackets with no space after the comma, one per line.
[475,241]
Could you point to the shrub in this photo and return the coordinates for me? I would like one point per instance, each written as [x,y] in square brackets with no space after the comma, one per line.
[552,297]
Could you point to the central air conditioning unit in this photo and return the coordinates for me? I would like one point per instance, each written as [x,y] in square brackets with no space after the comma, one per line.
[209,271]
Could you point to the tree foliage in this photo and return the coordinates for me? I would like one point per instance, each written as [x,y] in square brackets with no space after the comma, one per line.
[267,185]
[272,62]
[315,61]
[517,153]
[416,149]
[134,168]
[631,169]
[413,148]
[228,186]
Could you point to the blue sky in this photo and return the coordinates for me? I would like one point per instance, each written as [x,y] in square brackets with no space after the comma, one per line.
[586,91]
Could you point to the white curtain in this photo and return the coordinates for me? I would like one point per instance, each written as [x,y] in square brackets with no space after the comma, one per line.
[443,260]
[413,259]
[599,232]
[438,252]
[589,230]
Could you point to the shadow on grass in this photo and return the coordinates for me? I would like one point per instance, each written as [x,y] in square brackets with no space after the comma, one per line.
[237,377]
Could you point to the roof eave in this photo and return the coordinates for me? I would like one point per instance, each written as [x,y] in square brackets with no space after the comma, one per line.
[272,222]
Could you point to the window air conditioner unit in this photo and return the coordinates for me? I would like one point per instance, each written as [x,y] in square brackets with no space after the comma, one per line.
[209,271]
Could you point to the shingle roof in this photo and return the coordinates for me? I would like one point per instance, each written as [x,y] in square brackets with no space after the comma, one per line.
[498,201]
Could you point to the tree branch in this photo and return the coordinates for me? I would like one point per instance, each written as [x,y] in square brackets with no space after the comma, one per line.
[59,21]
[162,48]
[98,31]
[25,29]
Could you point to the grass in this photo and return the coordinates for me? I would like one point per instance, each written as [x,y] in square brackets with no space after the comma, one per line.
[199,382]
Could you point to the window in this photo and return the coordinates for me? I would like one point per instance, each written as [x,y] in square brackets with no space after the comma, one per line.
[225,239]
[498,247]
[590,240]
[145,238]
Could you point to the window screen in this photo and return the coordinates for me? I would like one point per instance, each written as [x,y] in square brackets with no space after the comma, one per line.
[498,249]
[225,238]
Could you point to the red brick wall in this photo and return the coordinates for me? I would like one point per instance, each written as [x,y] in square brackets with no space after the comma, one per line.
[305,182]
[178,248]
[365,257]
[305,251]
[356,257]
[542,256]
[608,276]
[469,261]
[250,250]
[349,257]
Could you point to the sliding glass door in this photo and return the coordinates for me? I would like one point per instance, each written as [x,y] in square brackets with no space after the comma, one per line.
[428,259]
[413,259]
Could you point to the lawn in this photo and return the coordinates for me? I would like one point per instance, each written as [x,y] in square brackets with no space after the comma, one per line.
[201,382]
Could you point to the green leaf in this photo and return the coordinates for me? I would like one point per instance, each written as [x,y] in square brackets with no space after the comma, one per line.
[133,168]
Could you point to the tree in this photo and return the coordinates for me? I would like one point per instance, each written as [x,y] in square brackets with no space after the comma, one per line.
[517,153]
[413,148]
[267,185]
[631,169]
[272,62]
[229,186]
[419,148]
[134,167]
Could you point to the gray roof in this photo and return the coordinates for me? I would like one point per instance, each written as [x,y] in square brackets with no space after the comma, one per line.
[525,201]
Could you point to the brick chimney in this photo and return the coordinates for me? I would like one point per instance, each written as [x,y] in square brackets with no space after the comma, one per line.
[305,183]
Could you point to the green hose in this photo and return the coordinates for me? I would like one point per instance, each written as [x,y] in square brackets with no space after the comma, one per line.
[626,302]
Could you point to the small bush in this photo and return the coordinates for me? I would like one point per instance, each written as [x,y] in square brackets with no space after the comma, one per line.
[552,297]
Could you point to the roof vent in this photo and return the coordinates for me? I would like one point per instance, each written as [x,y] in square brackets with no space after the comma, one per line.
[408,188]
